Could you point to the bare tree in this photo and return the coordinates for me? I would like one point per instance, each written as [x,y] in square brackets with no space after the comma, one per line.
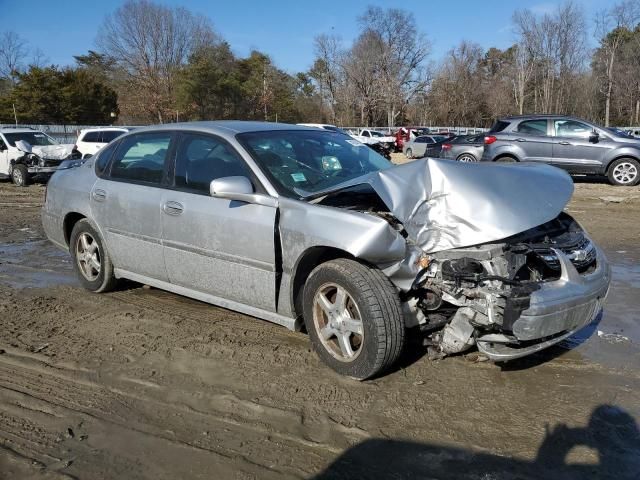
[13,51]
[522,70]
[611,26]
[149,42]
[326,70]
[557,44]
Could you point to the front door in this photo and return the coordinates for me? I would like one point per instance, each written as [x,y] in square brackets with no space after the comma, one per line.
[126,204]
[212,245]
[575,149]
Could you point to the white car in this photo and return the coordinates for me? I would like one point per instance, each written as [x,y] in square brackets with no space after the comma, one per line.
[368,136]
[90,140]
[26,153]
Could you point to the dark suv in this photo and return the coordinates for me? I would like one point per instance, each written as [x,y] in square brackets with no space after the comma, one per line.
[576,145]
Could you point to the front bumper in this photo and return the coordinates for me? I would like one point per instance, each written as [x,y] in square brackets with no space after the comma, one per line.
[556,311]
[37,170]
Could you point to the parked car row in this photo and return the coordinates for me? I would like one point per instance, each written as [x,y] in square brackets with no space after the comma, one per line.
[26,153]
[575,145]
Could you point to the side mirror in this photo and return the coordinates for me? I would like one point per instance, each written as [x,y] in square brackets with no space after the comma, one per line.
[3,147]
[594,137]
[240,189]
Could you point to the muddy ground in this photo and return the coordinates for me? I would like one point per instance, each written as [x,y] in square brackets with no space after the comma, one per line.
[140,383]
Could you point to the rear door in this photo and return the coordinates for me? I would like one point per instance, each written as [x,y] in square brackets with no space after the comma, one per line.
[212,245]
[126,203]
[575,149]
[533,140]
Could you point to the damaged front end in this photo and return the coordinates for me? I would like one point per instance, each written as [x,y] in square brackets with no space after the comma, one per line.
[46,159]
[514,297]
[491,260]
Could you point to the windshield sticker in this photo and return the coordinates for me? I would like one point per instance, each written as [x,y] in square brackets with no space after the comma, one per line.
[298,177]
[355,143]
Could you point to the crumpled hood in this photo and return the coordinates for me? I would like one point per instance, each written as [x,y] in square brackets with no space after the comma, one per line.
[52,152]
[445,204]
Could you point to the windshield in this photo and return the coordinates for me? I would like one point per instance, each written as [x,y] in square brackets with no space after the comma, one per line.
[301,163]
[439,138]
[376,134]
[32,138]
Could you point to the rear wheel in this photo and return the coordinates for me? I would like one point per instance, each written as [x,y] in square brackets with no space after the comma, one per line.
[353,315]
[20,175]
[409,153]
[90,259]
[467,158]
[624,171]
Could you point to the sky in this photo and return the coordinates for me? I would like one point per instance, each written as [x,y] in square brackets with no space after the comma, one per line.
[282,29]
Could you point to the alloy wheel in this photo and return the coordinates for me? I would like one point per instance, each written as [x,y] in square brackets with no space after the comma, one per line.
[625,173]
[338,322]
[466,158]
[88,256]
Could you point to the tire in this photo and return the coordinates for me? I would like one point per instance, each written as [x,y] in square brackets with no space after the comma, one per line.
[467,158]
[624,172]
[506,159]
[371,305]
[20,175]
[408,153]
[97,280]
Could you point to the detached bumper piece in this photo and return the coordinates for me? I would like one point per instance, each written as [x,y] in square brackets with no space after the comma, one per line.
[556,311]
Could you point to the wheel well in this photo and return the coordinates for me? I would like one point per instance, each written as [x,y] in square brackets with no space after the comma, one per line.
[606,170]
[69,222]
[506,155]
[468,154]
[309,260]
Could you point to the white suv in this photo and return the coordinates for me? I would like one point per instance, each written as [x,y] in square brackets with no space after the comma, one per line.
[91,140]
[25,153]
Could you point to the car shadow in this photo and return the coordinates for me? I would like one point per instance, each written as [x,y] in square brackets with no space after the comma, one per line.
[611,432]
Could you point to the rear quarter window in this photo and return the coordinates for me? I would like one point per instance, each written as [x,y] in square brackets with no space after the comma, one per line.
[91,137]
[499,126]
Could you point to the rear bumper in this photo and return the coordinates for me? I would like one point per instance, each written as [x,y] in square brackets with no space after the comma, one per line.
[556,311]
[36,170]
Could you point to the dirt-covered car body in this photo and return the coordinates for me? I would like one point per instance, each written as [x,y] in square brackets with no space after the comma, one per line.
[477,254]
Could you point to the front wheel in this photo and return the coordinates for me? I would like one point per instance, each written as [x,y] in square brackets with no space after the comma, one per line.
[20,175]
[353,315]
[624,172]
[90,258]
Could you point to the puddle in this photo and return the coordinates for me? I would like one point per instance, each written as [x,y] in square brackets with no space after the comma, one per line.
[36,264]
[615,340]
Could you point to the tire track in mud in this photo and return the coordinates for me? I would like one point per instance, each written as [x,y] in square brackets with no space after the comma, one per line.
[140,409]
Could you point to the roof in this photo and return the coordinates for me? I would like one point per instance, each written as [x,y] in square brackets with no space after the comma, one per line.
[227,126]
[100,129]
[540,116]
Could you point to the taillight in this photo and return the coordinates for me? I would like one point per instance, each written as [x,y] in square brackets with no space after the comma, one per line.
[446,146]
[489,139]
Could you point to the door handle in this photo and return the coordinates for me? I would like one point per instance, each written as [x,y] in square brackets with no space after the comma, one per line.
[99,195]
[172,208]
[521,139]
[564,143]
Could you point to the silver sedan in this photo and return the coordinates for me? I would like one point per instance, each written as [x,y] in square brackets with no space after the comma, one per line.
[310,228]
[417,147]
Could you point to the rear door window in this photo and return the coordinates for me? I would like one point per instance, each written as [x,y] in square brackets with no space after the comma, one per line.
[91,137]
[108,135]
[141,158]
[533,127]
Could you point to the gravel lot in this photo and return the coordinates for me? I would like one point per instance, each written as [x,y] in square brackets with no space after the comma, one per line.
[140,383]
